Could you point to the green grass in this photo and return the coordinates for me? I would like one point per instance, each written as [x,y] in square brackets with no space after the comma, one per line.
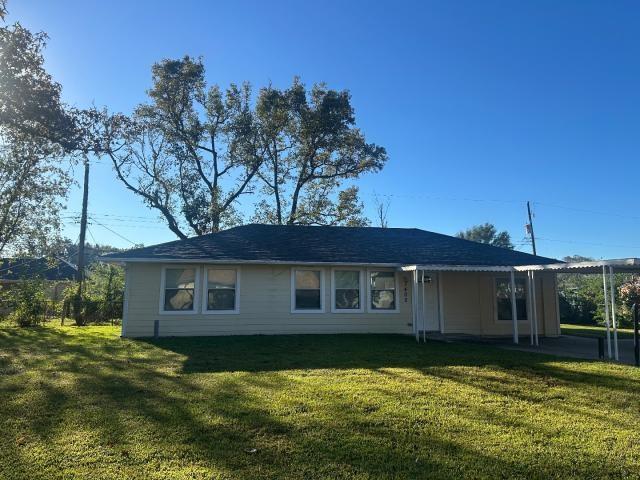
[592,331]
[82,403]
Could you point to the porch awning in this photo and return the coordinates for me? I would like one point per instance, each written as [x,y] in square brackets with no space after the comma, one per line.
[456,268]
[619,265]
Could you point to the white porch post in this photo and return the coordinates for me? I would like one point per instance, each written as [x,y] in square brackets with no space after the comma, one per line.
[534,308]
[514,309]
[440,304]
[606,309]
[612,286]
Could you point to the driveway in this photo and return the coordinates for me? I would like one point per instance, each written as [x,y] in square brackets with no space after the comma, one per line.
[563,346]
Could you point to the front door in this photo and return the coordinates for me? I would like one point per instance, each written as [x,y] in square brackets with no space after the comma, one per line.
[428,302]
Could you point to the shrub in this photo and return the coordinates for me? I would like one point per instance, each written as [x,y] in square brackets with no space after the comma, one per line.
[27,302]
[101,299]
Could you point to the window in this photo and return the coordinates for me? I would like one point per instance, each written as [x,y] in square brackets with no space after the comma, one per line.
[347,294]
[383,290]
[307,290]
[503,299]
[221,290]
[179,289]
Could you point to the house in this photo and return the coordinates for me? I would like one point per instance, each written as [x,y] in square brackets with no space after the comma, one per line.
[276,279]
[56,273]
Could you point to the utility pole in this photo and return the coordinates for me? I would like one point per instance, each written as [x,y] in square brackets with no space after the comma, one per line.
[83,225]
[533,237]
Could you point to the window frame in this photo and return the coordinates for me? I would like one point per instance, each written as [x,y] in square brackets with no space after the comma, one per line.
[370,308]
[362,280]
[196,290]
[205,291]
[293,290]
[495,299]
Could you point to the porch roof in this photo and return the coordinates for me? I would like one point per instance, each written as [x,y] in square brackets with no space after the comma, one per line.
[618,264]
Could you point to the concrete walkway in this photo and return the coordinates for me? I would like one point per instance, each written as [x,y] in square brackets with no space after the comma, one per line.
[576,347]
[562,346]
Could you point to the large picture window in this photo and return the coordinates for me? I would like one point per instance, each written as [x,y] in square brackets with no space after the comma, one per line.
[383,290]
[347,290]
[179,289]
[221,290]
[503,298]
[307,290]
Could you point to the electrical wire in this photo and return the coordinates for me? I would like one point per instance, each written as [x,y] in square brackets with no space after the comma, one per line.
[113,231]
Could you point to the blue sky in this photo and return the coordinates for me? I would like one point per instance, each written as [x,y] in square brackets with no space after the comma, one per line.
[481,105]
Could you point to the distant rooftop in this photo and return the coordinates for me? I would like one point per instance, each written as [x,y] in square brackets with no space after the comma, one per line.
[12,269]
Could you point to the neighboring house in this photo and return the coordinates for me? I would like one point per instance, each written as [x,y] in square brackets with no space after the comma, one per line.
[56,273]
[269,279]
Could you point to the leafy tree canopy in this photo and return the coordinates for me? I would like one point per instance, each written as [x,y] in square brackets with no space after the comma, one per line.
[193,151]
[487,233]
[35,133]
[310,145]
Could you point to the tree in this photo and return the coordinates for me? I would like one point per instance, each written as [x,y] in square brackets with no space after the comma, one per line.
[191,152]
[581,296]
[311,146]
[382,210]
[487,233]
[32,187]
[29,98]
[35,132]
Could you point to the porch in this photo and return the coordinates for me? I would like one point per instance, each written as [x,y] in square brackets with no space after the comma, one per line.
[429,306]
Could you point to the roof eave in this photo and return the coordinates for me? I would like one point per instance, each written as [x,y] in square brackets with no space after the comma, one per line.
[231,261]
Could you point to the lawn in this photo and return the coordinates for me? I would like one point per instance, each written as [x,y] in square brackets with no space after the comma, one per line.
[593,331]
[83,403]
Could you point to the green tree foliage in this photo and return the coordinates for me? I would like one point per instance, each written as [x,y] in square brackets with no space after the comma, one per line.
[26,301]
[35,131]
[30,101]
[33,185]
[190,151]
[193,151]
[487,233]
[102,298]
[581,296]
[310,145]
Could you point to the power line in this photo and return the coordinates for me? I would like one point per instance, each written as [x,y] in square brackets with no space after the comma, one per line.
[91,235]
[586,243]
[584,210]
[114,232]
[453,199]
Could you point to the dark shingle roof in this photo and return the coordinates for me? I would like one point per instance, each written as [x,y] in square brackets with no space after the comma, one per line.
[367,245]
[29,268]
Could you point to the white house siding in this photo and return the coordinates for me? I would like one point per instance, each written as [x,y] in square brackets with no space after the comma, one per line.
[469,305]
[265,307]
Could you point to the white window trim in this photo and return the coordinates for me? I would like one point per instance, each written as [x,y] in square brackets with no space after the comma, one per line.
[293,290]
[205,292]
[370,309]
[363,295]
[196,291]
[500,321]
